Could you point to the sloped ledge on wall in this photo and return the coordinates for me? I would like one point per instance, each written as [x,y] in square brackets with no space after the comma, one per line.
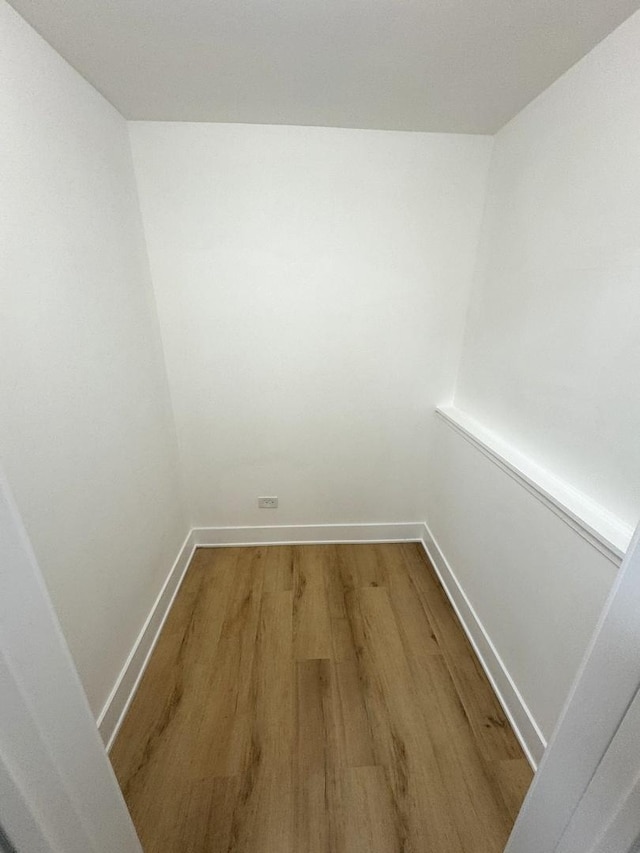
[524,725]
[607,533]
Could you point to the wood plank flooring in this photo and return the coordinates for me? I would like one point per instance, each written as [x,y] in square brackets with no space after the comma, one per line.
[317,699]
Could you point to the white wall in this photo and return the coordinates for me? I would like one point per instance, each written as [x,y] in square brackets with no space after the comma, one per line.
[550,364]
[552,349]
[311,286]
[86,436]
[536,585]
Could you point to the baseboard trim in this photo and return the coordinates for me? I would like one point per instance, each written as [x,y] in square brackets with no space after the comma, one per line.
[524,725]
[120,698]
[312,534]
[124,690]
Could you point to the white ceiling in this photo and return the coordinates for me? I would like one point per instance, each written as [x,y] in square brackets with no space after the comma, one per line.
[441,65]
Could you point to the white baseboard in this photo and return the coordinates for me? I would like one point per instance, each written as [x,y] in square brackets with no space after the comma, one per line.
[524,725]
[299,534]
[120,698]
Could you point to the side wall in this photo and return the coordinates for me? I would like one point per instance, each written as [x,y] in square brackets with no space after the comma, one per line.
[311,286]
[86,434]
[552,350]
[550,366]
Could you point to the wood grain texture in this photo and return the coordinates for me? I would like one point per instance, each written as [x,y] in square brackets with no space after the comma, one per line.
[317,699]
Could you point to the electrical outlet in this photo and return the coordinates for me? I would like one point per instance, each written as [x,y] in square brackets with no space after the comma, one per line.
[268,503]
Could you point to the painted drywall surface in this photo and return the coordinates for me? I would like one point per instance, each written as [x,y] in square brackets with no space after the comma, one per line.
[552,350]
[86,436]
[311,286]
[536,585]
[550,364]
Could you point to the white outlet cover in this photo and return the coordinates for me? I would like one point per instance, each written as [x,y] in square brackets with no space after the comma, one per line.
[268,503]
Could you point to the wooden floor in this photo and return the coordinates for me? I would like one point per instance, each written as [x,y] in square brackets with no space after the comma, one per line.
[304,699]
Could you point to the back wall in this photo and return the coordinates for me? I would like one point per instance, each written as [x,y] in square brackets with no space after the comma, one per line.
[311,286]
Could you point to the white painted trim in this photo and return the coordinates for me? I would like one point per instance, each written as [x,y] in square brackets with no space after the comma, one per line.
[120,698]
[129,679]
[58,791]
[604,531]
[124,690]
[300,534]
[524,725]
[606,683]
